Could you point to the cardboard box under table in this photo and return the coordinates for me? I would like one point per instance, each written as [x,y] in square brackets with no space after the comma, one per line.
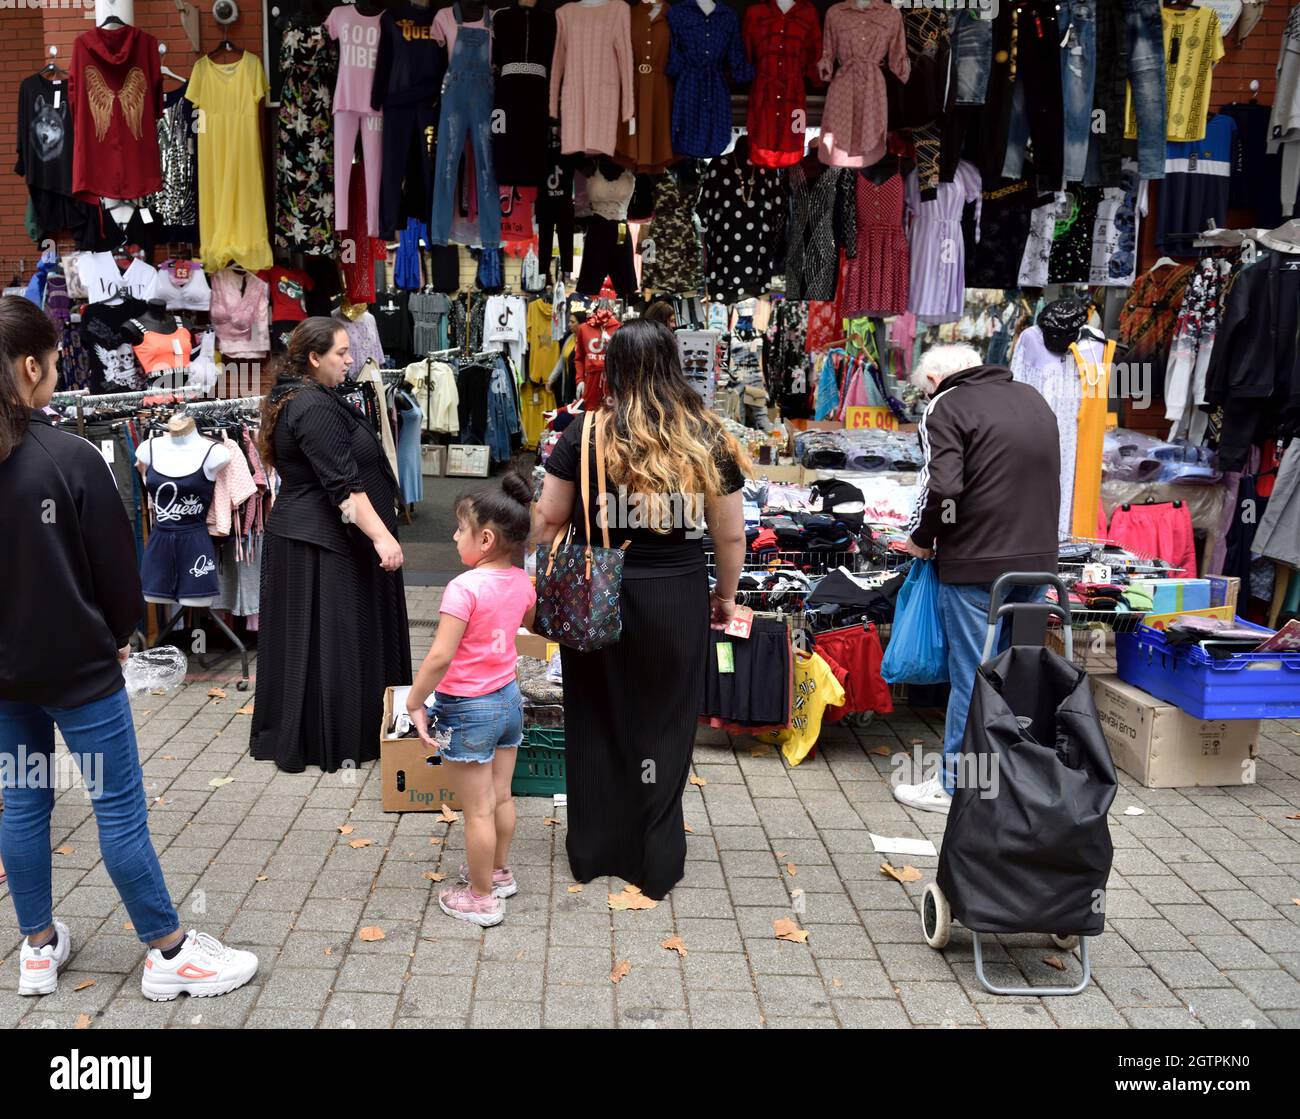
[1163,747]
[411,775]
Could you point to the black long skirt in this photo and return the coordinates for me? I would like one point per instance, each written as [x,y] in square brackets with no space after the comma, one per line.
[332,636]
[630,713]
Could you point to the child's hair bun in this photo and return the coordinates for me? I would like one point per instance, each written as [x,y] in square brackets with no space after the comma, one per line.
[517,488]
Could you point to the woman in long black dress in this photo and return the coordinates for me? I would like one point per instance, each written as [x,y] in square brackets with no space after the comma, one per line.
[333,632]
[630,710]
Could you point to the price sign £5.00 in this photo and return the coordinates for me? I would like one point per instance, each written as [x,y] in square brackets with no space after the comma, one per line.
[874,416]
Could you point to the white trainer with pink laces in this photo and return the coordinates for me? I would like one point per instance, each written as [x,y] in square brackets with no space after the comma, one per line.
[462,903]
[503,881]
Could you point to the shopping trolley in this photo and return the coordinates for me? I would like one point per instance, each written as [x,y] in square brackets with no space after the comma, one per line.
[1035,855]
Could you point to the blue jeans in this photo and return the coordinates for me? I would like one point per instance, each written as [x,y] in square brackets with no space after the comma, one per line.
[466,111]
[1144,37]
[1078,75]
[964,615]
[101,739]
[481,725]
[972,46]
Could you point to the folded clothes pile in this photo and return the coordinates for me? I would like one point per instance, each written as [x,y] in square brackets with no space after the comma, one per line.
[865,449]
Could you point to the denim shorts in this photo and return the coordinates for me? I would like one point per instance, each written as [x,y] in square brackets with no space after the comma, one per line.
[480,725]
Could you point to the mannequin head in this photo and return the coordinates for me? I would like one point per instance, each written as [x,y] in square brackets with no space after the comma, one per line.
[29,355]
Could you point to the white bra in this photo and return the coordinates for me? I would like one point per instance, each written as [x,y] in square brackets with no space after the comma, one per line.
[193,295]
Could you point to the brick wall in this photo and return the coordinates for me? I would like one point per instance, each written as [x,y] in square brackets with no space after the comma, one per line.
[28,33]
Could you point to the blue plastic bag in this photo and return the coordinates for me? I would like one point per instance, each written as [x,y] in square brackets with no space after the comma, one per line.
[918,650]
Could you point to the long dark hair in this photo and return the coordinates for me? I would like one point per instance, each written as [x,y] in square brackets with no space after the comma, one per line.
[311,336]
[662,439]
[25,331]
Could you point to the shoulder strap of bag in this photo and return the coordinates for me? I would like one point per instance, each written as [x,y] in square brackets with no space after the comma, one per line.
[603,515]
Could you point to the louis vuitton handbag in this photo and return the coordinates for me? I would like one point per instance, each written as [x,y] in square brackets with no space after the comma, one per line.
[578,584]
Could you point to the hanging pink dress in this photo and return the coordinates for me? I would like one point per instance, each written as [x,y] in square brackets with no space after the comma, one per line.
[855,41]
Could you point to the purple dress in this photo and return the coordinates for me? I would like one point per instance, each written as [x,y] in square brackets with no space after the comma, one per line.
[937,248]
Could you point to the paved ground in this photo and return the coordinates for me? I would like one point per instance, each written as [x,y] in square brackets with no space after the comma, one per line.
[1202,926]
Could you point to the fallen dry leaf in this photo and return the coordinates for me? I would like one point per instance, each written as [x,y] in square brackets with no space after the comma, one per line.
[1294,816]
[576,888]
[448,816]
[144,713]
[435,842]
[630,898]
[433,875]
[247,709]
[619,970]
[906,874]
[169,757]
[371,932]
[260,878]
[837,982]
[1296,901]
[157,691]
[786,929]
[217,782]
[674,944]
[65,850]
[782,854]
[689,830]
[217,693]
[880,751]
[84,984]
[82,1022]
[697,781]
[346,829]
[128,926]
[329,951]
[552,822]
[761,750]
[356,844]
[1054,961]
[791,869]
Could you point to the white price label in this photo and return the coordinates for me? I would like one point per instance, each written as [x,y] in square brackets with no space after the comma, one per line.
[176,346]
[145,216]
[106,449]
[58,98]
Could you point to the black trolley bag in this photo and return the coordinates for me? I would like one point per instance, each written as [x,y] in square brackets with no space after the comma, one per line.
[1027,845]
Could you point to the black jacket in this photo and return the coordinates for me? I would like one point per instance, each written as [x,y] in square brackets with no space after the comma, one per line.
[324,451]
[71,587]
[992,488]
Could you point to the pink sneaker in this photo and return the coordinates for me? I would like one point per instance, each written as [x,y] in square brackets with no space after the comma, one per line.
[503,881]
[461,903]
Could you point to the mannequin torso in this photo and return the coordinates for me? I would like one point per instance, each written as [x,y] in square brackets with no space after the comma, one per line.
[706,6]
[785,5]
[179,455]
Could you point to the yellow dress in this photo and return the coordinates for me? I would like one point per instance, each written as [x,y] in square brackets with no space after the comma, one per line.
[232,200]
[1095,381]
[543,352]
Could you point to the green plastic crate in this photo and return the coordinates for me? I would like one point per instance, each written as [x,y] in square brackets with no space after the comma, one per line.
[539,769]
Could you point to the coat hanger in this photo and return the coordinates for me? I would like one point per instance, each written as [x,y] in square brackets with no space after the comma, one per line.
[52,69]
[167,71]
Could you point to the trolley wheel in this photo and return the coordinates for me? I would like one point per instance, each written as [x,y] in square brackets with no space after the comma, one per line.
[242,686]
[1065,943]
[936,917]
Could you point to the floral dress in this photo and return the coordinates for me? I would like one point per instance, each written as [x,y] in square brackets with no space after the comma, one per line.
[304,178]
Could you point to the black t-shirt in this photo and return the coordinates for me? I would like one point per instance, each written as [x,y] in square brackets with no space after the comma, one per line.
[410,62]
[651,554]
[994,260]
[45,134]
[393,320]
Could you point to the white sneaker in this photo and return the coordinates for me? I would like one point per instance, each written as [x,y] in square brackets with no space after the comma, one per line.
[928,796]
[38,968]
[203,967]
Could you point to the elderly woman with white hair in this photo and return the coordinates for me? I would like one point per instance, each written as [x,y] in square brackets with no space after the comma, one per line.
[990,494]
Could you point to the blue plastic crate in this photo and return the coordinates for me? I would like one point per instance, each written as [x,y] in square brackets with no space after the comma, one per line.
[1243,686]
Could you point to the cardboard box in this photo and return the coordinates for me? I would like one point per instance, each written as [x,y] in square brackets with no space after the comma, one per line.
[410,773]
[1174,596]
[1165,748]
[432,459]
[534,645]
[795,473]
[467,462]
[1094,649]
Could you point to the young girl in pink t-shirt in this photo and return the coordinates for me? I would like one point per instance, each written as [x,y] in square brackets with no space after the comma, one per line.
[470,673]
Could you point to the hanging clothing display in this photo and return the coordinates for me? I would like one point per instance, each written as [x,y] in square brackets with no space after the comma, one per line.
[232,210]
[1005,212]
[304,167]
[1115,238]
[784,48]
[1094,378]
[938,252]
[591,75]
[876,277]
[650,147]
[158,353]
[535,397]
[240,309]
[102,279]
[180,560]
[116,92]
[176,205]
[607,244]
[1197,181]
[1193,46]
[555,217]
[671,260]
[429,314]
[410,420]
[855,42]
[822,217]
[45,147]
[523,46]
[465,114]
[702,44]
[589,356]
[358,39]
[742,212]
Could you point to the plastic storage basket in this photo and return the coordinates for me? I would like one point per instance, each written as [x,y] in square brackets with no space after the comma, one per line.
[1243,686]
[539,769]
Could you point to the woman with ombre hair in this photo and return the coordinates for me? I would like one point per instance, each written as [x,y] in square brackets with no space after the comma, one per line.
[630,710]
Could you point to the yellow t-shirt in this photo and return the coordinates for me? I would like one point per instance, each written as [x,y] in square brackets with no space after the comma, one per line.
[232,206]
[543,352]
[815,689]
[1194,38]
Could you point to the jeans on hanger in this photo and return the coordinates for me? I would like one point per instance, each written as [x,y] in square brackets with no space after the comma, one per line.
[101,739]
[503,413]
[972,47]
[466,112]
[1145,42]
[1078,23]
